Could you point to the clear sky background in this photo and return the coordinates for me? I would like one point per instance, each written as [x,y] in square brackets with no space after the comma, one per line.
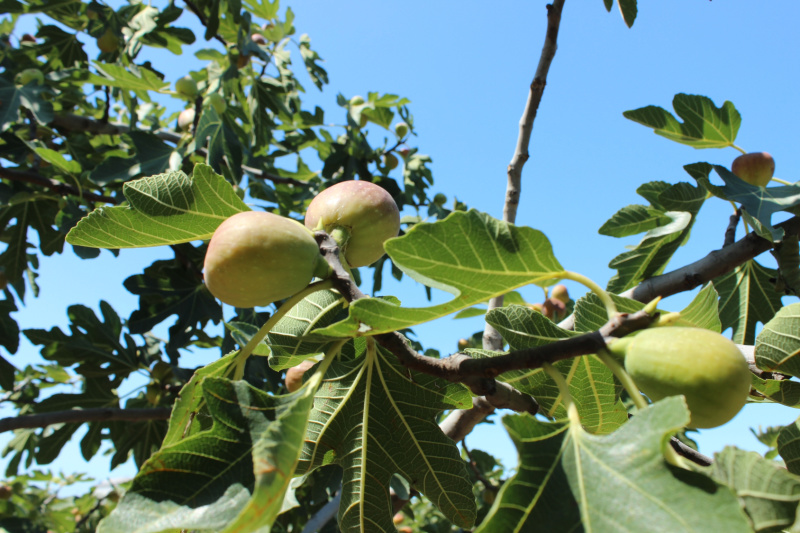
[466,67]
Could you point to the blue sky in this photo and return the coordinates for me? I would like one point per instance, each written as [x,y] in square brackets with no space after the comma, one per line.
[466,68]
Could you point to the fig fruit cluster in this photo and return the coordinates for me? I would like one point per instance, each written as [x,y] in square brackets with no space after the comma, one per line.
[703,366]
[256,258]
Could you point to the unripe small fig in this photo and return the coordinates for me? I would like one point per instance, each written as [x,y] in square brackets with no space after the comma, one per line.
[30,75]
[756,168]
[390,161]
[187,87]
[255,258]
[108,42]
[398,518]
[242,60]
[217,101]
[294,376]
[258,39]
[356,100]
[186,119]
[554,309]
[5,492]
[705,367]
[559,292]
[463,344]
[439,199]
[365,210]
[401,129]
[539,308]
[27,38]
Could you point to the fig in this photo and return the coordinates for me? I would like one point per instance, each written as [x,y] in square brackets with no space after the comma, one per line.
[30,75]
[294,375]
[187,87]
[390,161]
[28,38]
[401,129]
[559,292]
[216,101]
[705,367]
[365,210]
[255,258]
[756,168]
[356,100]
[186,119]
[108,42]
[258,39]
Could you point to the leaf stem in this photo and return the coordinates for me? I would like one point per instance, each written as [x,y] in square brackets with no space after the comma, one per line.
[738,148]
[624,378]
[782,182]
[254,341]
[563,388]
[605,297]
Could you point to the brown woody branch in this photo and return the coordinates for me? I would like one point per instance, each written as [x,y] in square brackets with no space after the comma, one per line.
[491,338]
[479,374]
[54,185]
[79,416]
[715,264]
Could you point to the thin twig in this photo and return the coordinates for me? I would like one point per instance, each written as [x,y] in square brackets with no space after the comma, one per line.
[730,232]
[491,338]
[48,183]
[486,483]
[79,416]
[690,453]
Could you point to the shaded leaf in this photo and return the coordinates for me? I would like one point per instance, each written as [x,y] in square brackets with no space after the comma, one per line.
[768,492]
[678,206]
[746,297]
[591,383]
[537,497]
[376,419]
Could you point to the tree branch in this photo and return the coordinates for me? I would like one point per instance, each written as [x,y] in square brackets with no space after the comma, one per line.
[48,183]
[491,338]
[713,265]
[101,414]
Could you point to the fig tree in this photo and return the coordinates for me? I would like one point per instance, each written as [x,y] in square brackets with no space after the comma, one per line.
[365,210]
[705,367]
[756,168]
[255,258]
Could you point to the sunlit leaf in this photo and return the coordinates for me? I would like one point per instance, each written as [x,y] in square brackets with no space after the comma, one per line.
[704,124]
[778,344]
[469,255]
[164,209]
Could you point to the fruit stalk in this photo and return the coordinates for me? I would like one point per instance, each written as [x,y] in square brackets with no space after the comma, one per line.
[261,334]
